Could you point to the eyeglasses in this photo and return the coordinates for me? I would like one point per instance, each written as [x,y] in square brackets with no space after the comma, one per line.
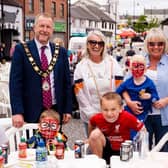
[159,44]
[45,125]
[49,124]
[93,43]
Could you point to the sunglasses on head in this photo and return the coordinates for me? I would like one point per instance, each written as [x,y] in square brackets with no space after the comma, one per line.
[152,44]
[94,43]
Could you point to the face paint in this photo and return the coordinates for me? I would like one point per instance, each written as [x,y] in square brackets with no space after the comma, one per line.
[137,69]
[49,128]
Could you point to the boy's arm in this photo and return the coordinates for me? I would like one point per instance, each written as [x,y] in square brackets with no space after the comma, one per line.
[135,106]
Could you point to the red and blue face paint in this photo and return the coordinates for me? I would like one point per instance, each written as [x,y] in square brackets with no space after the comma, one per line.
[137,69]
[49,128]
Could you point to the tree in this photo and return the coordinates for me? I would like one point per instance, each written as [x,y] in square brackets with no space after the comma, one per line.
[154,22]
[142,25]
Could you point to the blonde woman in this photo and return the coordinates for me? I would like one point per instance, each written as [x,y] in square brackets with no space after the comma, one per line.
[156,47]
[94,75]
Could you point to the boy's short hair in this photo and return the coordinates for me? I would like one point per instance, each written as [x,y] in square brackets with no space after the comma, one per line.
[138,58]
[49,113]
[112,96]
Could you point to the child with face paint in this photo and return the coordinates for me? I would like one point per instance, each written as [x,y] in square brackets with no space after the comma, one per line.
[140,88]
[112,126]
[49,126]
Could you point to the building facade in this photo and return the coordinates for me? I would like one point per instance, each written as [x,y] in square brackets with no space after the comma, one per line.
[58,10]
[11,19]
[87,15]
[17,19]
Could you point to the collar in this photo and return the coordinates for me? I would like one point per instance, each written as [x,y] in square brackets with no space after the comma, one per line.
[161,62]
[39,45]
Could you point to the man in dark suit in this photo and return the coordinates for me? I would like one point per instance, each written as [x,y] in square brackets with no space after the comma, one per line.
[26,86]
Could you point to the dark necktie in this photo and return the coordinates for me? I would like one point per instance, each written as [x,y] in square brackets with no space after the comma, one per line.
[46,84]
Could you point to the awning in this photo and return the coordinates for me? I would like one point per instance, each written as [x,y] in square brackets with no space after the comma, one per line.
[9,21]
[10,26]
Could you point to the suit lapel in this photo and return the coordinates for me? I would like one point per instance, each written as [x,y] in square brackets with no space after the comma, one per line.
[34,51]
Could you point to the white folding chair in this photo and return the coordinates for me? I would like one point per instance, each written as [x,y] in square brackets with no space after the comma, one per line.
[14,134]
[160,144]
[5,108]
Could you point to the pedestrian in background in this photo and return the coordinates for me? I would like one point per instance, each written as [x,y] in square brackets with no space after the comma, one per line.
[59,41]
[35,86]
[94,75]
[156,47]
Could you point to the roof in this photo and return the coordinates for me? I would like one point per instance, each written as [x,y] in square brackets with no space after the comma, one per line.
[82,13]
[99,13]
[89,12]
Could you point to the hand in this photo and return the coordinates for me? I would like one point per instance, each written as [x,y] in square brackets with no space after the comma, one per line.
[17,120]
[135,106]
[160,103]
[66,118]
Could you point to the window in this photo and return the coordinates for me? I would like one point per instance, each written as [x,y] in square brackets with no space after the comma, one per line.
[42,7]
[62,10]
[31,5]
[53,8]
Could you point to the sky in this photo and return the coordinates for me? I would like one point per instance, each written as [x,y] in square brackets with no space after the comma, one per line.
[136,7]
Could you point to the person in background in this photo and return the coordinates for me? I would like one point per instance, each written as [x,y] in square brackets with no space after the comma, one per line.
[130,52]
[110,127]
[59,41]
[12,49]
[156,47]
[35,86]
[140,88]
[128,56]
[49,131]
[3,137]
[94,75]
[2,53]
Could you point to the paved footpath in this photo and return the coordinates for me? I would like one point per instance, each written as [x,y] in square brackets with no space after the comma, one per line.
[74,130]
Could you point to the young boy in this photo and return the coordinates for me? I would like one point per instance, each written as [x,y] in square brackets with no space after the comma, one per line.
[111,127]
[140,88]
[49,126]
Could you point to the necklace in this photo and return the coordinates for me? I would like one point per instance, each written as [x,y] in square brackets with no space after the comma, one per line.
[36,67]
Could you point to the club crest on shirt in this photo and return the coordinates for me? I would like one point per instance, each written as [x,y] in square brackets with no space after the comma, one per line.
[117,128]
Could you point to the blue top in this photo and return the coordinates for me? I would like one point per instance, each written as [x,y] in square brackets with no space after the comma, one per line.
[162,84]
[134,93]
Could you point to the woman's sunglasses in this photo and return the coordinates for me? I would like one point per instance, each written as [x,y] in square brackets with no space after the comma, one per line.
[94,43]
[152,44]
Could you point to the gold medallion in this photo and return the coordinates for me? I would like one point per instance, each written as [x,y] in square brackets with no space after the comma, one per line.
[45,74]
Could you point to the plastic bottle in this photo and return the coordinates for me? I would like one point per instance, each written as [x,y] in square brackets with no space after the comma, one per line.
[41,155]
[22,148]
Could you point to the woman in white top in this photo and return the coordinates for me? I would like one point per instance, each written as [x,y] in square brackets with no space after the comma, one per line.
[96,74]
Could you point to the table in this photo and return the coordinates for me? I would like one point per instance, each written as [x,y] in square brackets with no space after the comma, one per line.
[69,161]
[153,160]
